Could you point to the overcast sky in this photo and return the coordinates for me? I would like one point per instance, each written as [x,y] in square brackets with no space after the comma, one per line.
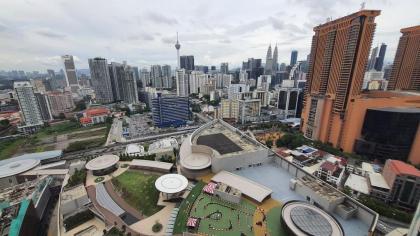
[34,33]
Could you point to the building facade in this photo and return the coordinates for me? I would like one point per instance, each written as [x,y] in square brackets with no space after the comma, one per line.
[389,133]
[187,62]
[338,58]
[29,107]
[70,71]
[170,111]
[404,180]
[405,73]
[182,83]
[101,80]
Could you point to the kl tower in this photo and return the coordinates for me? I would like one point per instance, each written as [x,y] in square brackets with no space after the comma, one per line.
[177,46]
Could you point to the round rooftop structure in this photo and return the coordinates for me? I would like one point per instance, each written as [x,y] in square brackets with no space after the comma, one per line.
[103,164]
[17,167]
[301,218]
[196,161]
[134,149]
[171,183]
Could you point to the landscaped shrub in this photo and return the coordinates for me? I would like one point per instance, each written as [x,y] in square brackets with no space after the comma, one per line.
[78,219]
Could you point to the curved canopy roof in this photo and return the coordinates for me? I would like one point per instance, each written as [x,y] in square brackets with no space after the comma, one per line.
[171,183]
[17,167]
[102,162]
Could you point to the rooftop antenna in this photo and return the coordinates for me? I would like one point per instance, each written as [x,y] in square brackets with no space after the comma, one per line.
[362,5]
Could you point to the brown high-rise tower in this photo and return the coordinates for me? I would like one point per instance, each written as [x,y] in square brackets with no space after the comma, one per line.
[339,54]
[405,73]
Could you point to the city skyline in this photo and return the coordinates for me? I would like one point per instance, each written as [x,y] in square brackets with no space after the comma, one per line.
[31,40]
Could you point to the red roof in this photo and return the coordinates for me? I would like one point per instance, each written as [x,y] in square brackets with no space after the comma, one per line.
[96,111]
[402,168]
[329,166]
[85,120]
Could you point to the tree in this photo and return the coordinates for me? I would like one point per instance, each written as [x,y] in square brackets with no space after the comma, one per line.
[347,190]
[4,123]
[269,143]
[80,106]
[61,116]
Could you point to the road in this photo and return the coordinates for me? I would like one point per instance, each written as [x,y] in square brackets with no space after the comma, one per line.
[117,147]
[115,133]
[202,117]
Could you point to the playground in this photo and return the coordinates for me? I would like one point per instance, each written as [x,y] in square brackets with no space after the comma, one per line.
[218,217]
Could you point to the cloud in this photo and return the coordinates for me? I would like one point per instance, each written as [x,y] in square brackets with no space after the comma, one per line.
[225,41]
[161,19]
[141,37]
[167,40]
[49,34]
[276,23]
[49,61]
[2,27]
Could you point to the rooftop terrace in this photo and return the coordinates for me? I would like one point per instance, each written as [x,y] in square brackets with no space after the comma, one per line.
[277,179]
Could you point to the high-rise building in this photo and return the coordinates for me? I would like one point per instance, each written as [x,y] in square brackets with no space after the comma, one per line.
[156,76]
[101,80]
[177,47]
[129,86]
[116,74]
[60,102]
[197,79]
[29,108]
[230,109]
[182,83]
[405,73]
[275,60]
[249,110]
[51,74]
[187,62]
[268,68]
[222,80]
[204,69]
[44,106]
[166,76]
[136,73]
[372,59]
[145,78]
[282,67]
[224,68]
[253,67]
[379,63]
[293,57]
[70,71]
[387,72]
[339,53]
[170,111]
[166,71]
[289,102]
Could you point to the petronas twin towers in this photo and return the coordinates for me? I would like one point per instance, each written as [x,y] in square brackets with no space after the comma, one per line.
[271,63]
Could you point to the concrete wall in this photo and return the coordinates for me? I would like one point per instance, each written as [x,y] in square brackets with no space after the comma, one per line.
[231,163]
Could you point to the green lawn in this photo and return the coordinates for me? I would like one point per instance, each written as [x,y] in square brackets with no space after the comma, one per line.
[88,134]
[86,144]
[273,222]
[10,147]
[34,143]
[217,217]
[138,190]
[181,219]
